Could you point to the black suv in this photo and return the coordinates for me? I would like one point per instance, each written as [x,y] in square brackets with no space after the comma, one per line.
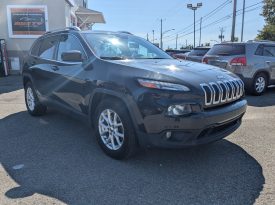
[130,91]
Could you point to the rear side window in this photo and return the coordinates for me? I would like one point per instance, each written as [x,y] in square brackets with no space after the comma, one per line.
[35,48]
[198,52]
[67,43]
[269,51]
[48,47]
[227,50]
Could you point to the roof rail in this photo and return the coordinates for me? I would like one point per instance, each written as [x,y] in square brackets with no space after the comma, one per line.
[268,41]
[126,32]
[72,28]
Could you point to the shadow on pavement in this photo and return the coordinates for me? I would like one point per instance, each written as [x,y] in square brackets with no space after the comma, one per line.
[62,160]
[267,99]
[10,84]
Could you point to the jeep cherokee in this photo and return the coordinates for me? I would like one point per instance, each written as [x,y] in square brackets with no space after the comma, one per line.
[130,91]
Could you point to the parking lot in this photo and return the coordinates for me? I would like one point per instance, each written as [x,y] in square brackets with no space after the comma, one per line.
[54,159]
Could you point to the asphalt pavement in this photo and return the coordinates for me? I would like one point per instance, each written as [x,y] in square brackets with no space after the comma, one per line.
[54,159]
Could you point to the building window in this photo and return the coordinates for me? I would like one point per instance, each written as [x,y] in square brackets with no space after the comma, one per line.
[25,21]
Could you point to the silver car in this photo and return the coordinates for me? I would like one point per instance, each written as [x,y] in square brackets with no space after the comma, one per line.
[253,62]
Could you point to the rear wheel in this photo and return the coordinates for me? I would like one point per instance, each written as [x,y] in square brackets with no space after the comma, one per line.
[259,84]
[34,107]
[114,130]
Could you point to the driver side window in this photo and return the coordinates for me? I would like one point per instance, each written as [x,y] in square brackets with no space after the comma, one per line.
[67,43]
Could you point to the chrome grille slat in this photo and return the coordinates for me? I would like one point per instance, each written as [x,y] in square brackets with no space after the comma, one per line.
[223,91]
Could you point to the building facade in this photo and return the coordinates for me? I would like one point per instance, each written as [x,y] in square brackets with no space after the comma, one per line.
[21,22]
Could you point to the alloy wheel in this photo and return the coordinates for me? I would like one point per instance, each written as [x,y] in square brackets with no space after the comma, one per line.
[260,84]
[111,129]
[30,99]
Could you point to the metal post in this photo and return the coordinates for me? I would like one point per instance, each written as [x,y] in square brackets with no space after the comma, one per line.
[161,44]
[200,32]
[194,28]
[177,41]
[153,36]
[233,21]
[243,20]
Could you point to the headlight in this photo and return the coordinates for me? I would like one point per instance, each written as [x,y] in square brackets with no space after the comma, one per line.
[162,85]
[178,110]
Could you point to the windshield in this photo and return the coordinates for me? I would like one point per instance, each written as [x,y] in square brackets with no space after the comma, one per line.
[227,49]
[122,46]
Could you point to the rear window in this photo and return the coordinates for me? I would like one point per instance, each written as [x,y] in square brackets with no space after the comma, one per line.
[198,52]
[35,48]
[227,50]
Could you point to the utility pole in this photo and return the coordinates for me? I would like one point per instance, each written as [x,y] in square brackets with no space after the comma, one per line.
[194,8]
[233,20]
[221,36]
[185,43]
[147,37]
[161,44]
[177,41]
[153,36]
[200,31]
[243,20]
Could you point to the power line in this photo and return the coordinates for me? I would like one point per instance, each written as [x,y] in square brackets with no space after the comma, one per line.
[205,17]
[221,20]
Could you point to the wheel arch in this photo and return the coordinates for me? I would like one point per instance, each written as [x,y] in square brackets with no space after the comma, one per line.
[264,72]
[99,94]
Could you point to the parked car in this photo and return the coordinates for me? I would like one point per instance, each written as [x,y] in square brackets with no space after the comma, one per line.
[197,54]
[253,62]
[177,53]
[130,91]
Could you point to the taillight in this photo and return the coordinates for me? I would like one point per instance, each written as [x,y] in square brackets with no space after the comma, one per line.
[205,60]
[240,61]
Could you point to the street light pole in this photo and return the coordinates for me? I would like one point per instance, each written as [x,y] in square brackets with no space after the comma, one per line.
[162,34]
[234,21]
[194,8]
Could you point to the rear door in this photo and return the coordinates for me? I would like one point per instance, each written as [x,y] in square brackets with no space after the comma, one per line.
[222,54]
[269,59]
[43,65]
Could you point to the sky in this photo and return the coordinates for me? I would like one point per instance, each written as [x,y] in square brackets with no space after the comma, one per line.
[142,16]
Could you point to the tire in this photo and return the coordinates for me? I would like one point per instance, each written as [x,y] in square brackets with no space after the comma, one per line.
[118,142]
[34,107]
[259,84]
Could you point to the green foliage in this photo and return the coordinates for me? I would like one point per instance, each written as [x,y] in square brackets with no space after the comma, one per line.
[269,11]
[268,32]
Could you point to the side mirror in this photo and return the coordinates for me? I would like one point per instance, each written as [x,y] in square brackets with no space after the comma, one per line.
[72,56]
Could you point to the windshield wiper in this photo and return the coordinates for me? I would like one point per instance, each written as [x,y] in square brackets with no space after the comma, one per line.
[112,58]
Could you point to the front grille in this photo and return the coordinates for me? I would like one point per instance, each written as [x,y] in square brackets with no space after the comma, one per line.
[220,92]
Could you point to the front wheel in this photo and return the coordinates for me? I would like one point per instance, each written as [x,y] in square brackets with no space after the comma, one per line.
[114,130]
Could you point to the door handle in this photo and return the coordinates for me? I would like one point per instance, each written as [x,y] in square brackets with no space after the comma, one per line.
[268,62]
[55,67]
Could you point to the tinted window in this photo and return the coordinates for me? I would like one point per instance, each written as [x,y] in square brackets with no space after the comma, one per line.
[269,51]
[67,43]
[35,48]
[227,50]
[48,47]
[198,52]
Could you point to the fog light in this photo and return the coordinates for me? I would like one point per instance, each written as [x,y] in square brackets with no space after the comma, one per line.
[168,135]
[177,110]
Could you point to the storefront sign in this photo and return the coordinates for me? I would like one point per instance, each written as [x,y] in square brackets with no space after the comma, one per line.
[27,21]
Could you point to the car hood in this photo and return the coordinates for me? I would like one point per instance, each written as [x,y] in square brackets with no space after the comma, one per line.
[187,71]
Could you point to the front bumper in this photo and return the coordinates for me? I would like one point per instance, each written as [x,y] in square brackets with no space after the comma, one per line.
[196,129]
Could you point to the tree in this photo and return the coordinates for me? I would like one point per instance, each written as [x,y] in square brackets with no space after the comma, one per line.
[268,32]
